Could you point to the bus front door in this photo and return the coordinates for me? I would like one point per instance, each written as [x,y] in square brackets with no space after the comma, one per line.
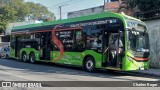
[109,49]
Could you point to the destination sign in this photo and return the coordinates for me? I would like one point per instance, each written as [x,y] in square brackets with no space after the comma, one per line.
[108,21]
[136,25]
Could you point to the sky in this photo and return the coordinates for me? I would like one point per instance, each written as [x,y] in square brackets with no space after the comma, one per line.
[73,5]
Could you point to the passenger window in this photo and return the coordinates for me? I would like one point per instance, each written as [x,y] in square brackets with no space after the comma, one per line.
[79,41]
[67,38]
[93,36]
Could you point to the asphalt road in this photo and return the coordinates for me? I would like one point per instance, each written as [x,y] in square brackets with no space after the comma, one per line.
[13,70]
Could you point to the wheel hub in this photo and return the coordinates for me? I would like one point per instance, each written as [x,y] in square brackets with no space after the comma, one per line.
[89,64]
[24,57]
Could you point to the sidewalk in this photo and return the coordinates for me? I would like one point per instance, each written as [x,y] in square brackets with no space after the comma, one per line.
[152,72]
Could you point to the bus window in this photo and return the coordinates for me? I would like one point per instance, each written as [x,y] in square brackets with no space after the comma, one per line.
[79,41]
[94,38]
[67,39]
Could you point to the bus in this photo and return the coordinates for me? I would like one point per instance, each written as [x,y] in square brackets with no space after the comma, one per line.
[85,42]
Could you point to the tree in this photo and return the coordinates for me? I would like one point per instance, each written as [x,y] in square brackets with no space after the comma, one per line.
[128,6]
[2,27]
[149,8]
[4,2]
[18,10]
[6,15]
[147,5]
[38,12]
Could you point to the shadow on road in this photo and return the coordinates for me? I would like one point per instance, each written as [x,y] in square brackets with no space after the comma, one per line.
[61,69]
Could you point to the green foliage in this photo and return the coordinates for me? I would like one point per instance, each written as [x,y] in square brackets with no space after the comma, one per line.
[18,10]
[128,6]
[38,11]
[146,5]
[6,14]
[131,3]
[2,26]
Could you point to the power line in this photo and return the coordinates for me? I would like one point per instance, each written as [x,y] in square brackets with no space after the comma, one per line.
[60,5]
[61,13]
[64,3]
[78,1]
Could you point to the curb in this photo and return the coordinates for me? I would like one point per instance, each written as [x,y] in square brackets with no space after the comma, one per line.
[146,73]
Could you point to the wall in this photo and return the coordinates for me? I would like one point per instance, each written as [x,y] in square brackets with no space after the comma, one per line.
[154,33]
[110,6]
[85,12]
[4,37]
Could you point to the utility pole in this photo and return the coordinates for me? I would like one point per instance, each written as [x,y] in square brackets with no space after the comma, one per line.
[104,5]
[60,10]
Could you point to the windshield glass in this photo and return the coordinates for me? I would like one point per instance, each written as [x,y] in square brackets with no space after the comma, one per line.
[138,41]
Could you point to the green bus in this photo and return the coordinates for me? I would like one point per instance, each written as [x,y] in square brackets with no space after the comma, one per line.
[85,42]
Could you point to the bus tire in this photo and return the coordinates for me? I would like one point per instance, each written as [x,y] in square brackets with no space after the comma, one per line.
[24,57]
[32,58]
[89,64]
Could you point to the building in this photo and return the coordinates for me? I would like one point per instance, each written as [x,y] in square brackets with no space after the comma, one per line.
[11,25]
[89,11]
[5,37]
[110,6]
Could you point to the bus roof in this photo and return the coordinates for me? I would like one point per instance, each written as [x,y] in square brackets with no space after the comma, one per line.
[77,19]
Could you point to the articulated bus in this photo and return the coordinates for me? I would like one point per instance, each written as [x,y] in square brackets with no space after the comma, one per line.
[85,42]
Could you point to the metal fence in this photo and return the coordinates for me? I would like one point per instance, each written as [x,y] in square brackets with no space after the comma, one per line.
[151,14]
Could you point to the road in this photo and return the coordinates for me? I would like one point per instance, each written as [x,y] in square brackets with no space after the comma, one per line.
[13,70]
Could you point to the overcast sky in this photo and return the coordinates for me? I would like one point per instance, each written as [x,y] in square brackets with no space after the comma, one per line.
[73,5]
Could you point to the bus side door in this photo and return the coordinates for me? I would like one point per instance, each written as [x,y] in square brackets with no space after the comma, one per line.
[78,47]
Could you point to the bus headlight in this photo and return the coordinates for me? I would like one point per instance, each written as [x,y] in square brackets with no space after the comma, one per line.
[141,68]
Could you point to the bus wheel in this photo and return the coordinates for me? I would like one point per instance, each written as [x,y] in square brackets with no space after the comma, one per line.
[32,58]
[89,64]
[24,57]
[7,56]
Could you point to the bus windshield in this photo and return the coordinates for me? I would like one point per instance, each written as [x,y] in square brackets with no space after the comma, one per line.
[138,41]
